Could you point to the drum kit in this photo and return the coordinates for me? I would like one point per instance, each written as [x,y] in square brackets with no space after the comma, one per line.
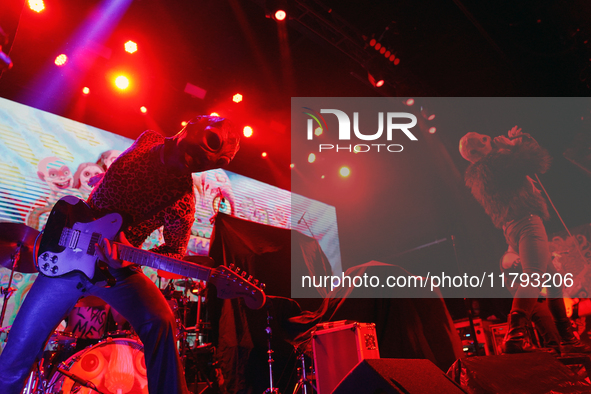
[115,363]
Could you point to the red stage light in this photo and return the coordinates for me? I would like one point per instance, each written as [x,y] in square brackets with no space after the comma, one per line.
[372,42]
[432,130]
[237,98]
[396,61]
[410,101]
[85,90]
[431,117]
[387,54]
[383,50]
[311,158]
[36,5]
[61,60]
[345,172]
[122,82]
[264,154]
[379,83]
[392,58]
[247,131]
[280,15]
[143,109]
[184,123]
[130,47]
[378,46]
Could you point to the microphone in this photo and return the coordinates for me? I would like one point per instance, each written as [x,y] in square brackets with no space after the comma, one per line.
[302,218]
[5,62]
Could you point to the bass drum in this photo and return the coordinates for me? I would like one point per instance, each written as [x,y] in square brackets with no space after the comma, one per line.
[114,366]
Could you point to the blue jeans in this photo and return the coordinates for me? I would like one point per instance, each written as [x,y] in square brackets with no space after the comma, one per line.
[528,237]
[134,296]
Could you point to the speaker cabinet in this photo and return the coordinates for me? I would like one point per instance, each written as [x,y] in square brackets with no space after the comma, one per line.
[338,347]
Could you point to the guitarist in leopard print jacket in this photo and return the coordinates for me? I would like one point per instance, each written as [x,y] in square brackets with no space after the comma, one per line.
[151,185]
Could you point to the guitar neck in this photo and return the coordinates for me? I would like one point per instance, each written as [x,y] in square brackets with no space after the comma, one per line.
[165,263]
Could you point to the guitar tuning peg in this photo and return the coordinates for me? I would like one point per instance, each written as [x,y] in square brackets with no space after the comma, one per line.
[232,266]
[249,278]
[256,282]
[237,270]
[263,286]
[243,274]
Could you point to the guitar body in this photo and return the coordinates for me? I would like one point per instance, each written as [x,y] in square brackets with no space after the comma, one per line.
[70,235]
[73,230]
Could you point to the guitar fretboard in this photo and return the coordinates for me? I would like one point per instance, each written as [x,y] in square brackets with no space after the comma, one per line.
[164,263]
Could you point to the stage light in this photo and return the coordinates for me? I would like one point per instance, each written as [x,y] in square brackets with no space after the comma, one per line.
[392,58]
[292,166]
[184,123]
[264,154]
[372,42]
[432,130]
[143,109]
[247,131]
[122,82]
[387,54]
[426,113]
[396,61]
[130,47]
[36,5]
[378,46]
[377,82]
[311,158]
[383,50]
[61,60]
[237,98]
[345,172]
[280,15]
[214,114]
[376,73]
[410,102]
[276,9]
[318,131]
[85,90]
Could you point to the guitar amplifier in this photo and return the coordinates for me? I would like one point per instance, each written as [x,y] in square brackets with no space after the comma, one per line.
[338,347]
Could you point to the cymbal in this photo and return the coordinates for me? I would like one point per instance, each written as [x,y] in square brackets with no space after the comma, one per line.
[11,236]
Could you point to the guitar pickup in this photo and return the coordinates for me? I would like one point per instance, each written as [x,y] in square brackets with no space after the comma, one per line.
[74,237]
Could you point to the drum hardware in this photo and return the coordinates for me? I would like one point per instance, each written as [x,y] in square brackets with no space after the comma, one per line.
[101,368]
[80,381]
[306,378]
[17,244]
[269,331]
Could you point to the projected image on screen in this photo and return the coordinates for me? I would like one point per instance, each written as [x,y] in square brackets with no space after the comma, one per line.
[44,157]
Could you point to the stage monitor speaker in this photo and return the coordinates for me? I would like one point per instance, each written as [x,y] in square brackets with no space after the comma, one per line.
[396,376]
[531,373]
[338,348]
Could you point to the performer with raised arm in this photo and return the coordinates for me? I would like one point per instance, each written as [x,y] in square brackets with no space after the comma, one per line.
[151,184]
[500,178]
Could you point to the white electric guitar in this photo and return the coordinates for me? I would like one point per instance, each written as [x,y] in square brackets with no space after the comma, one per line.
[72,230]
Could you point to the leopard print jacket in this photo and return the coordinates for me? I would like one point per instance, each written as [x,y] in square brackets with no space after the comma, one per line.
[138,182]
